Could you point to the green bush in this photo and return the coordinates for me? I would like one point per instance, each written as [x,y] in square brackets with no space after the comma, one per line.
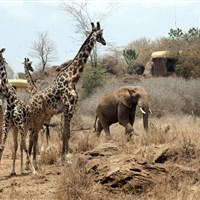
[92,79]
[187,44]
[183,71]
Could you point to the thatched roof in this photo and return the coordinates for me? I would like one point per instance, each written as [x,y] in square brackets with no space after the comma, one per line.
[18,83]
[162,54]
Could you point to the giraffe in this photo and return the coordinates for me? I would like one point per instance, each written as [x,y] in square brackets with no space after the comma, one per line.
[32,89]
[61,96]
[15,115]
[1,117]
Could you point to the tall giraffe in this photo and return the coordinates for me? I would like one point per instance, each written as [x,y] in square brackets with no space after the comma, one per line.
[15,115]
[62,96]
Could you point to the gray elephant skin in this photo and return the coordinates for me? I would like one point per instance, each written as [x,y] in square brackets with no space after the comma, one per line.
[120,106]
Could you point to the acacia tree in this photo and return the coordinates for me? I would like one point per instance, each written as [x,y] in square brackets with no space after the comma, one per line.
[44,50]
[79,12]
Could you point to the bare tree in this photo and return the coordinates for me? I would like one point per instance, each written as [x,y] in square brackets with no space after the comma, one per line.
[10,71]
[79,12]
[44,50]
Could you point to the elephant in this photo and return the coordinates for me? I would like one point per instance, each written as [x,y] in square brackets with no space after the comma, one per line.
[120,106]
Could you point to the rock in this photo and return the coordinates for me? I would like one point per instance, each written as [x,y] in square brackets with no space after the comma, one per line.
[105,149]
[116,171]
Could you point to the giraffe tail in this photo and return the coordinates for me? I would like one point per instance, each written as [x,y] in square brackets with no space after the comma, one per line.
[47,126]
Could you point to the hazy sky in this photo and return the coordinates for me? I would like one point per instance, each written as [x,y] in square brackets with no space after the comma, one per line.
[21,21]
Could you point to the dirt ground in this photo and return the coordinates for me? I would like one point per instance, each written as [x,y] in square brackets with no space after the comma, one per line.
[161,165]
[28,186]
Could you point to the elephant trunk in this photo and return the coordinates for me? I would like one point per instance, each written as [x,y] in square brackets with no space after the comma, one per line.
[145,114]
[145,120]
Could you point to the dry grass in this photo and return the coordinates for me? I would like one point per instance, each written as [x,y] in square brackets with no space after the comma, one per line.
[175,125]
[167,95]
[177,132]
[171,99]
[180,132]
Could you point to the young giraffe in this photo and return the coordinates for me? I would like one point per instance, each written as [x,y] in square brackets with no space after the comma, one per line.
[32,89]
[62,96]
[15,115]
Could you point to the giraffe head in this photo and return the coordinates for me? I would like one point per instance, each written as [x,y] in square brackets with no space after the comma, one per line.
[28,64]
[98,33]
[1,52]
[2,60]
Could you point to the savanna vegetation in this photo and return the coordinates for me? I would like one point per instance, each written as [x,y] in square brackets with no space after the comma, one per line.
[172,142]
[160,164]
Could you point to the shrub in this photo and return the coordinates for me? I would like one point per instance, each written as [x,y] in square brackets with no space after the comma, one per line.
[188,63]
[173,95]
[183,71]
[93,78]
[167,95]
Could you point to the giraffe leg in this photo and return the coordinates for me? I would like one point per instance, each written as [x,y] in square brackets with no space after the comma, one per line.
[66,134]
[5,128]
[23,145]
[42,141]
[30,147]
[35,144]
[70,103]
[4,132]
[22,167]
[15,136]
[1,151]
[65,139]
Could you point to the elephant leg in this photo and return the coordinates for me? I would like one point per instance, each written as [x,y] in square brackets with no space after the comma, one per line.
[126,119]
[132,117]
[129,129]
[105,125]
[107,131]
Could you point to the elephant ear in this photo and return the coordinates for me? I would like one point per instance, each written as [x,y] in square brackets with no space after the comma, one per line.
[124,97]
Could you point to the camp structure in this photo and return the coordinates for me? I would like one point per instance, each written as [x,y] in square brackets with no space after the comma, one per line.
[18,83]
[162,63]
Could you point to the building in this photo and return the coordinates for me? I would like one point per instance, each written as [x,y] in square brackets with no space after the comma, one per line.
[162,63]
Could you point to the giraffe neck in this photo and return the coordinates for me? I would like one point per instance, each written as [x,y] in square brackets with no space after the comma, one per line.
[75,68]
[3,74]
[31,86]
[7,90]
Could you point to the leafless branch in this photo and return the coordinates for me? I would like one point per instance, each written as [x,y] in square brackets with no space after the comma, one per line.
[43,49]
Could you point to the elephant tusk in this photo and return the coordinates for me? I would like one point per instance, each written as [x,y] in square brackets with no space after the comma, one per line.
[150,112]
[143,112]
